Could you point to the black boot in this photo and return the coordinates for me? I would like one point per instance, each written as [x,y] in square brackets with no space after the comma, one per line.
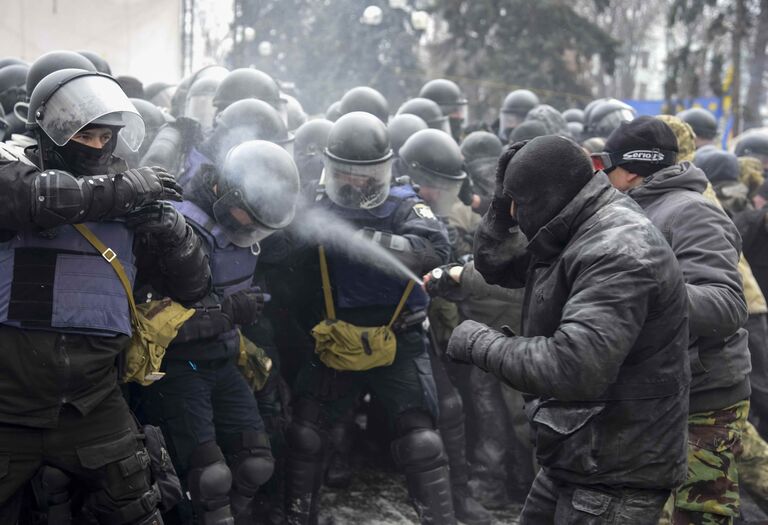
[468,509]
[430,494]
[338,473]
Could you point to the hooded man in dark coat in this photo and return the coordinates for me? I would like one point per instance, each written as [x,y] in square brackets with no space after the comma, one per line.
[602,354]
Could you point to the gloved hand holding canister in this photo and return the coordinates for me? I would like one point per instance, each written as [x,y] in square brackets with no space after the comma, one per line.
[245,307]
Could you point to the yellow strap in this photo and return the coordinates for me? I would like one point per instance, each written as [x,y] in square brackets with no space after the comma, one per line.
[401,304]
[328,297]
[330,311]
[111,257]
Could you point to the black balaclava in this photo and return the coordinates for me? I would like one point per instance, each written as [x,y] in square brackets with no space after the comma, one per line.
[82,160]
[543,177]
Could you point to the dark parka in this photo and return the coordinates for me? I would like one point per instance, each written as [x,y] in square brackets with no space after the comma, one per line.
[605,327]
[706,244]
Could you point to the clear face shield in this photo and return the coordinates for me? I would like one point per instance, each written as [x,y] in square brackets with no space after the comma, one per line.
[200,108]
[234,216]
[508,122]
[458,112]
[441,193]
[443,124]
[358,186]
[613,120]
[83,100]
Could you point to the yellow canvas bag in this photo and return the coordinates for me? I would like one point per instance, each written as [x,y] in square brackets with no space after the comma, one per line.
[347,347]
[155,323]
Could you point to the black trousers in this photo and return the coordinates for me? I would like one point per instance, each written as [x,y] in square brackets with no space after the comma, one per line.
[101,452]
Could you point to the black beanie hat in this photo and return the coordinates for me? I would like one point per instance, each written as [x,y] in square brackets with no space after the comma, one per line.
[543,177]
[641,135]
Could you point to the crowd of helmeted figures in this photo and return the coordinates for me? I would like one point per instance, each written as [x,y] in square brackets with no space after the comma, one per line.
[288,239]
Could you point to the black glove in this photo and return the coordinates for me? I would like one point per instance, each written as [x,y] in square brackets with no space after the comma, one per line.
[244,307]
[158,219]
[140,186]
[441,284]
[499,214]
[467,191]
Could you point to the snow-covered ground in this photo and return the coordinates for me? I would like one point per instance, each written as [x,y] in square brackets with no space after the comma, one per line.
[378,497]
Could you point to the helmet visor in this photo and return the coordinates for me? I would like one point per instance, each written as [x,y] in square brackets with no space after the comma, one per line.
[613,120]
[442,124]
[358,186]
[456,111]
[85,99]
[201,108]
[235,217]
[508,121]
[441,193]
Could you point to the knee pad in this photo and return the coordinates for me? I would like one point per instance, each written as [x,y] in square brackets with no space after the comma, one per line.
[209,479]
[304,439]
[252,464]
[419,450]
[411,420]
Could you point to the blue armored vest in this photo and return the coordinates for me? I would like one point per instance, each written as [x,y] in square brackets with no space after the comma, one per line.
[232,267]
[55,280]
[356,284]
[192,164]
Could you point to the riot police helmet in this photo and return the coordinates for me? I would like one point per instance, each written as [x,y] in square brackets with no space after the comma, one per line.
[257,190]
[54,61]
[574,115]
[448,96]
[13,82]
[428,111]
[481,151]
[101,65]
[753,143]
[703,122]
[245,83]
[514,108]
[199,105]
[434,161]
[309,146]
[358,161]
[295,114]
[606,116]
[403,126]
[364,98]
[334,111]
[67,100]
[248,119]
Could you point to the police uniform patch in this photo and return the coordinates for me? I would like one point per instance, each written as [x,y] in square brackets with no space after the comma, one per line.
[424,211]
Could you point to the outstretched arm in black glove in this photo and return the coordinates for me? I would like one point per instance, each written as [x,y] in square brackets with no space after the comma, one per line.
[58,197]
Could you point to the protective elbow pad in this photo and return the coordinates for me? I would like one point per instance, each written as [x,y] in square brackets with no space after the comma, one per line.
[57,198]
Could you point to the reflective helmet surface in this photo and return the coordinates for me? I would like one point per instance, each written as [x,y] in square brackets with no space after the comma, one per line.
[246,83]
[367,99]
[574,115]
[703,122]
[101,65]
[54,61]
[428,110]
[358,161]
[309,148]
[257,191]
[434,161]
[67,100]
[607,115]
[403,126]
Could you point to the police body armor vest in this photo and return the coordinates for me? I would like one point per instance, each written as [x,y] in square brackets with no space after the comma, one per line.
[232,269]
[358,285]
[55,280]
